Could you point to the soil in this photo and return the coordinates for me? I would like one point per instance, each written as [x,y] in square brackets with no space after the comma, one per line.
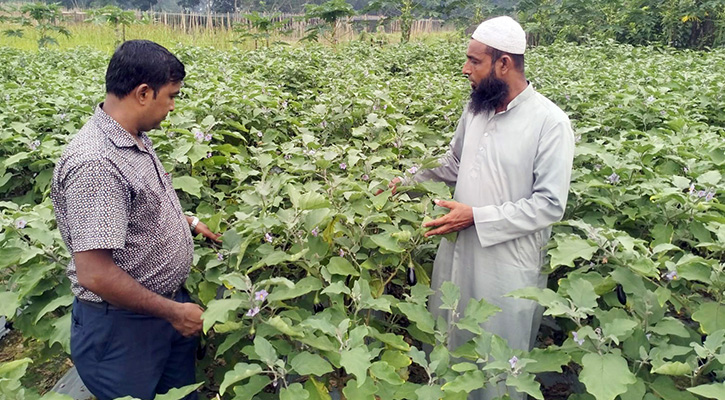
[47,367]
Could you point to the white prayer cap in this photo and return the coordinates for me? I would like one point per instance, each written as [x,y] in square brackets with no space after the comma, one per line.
[502,33]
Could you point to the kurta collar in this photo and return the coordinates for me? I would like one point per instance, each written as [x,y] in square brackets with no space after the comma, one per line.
[522,97]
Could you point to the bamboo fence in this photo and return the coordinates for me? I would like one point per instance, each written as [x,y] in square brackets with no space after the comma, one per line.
[294,23]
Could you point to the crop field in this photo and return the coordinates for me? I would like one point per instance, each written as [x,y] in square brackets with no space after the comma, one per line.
[310,294]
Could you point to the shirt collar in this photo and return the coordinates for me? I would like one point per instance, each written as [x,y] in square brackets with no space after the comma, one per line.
[119,136]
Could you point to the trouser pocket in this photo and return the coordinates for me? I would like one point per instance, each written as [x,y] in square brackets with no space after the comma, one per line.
[91,332]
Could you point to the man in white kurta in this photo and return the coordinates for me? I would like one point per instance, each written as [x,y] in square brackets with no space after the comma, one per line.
[511,167]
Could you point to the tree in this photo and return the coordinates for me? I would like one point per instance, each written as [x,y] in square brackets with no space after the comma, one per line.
[403,9]
[45,18]
[115,17]
[465,14]
[329,13]
[143,5]
[224,6]
[694,23]
[262,27]
[188,5]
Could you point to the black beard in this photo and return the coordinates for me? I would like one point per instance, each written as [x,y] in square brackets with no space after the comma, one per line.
[490,93]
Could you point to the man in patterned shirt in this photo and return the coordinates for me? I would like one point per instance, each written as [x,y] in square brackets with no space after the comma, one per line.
[134,327]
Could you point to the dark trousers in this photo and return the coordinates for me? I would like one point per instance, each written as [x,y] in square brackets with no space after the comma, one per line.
[121,353]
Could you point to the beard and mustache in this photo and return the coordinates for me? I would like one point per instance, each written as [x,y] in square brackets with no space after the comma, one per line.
[490,93]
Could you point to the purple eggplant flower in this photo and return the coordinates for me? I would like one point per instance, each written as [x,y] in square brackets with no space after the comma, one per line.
[260,295]
[253,311]
[343,166]
[670,276]
[613,179]
[512,361]
[20,223]
[220,256]
[315,232]
[268,237]
[576,338]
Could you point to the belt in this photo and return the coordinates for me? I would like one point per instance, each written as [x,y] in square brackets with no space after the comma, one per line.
[108,306]
[172,294]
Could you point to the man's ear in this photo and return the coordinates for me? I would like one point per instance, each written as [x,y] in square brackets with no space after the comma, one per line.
[507,64]
[143,93]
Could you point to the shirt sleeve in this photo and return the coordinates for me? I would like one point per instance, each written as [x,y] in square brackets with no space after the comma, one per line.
[98,205]
[552,175]
[447,171]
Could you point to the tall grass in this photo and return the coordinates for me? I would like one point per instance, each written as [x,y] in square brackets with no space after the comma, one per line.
[103,37]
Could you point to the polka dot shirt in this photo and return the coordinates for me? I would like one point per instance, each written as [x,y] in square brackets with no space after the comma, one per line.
[108,193]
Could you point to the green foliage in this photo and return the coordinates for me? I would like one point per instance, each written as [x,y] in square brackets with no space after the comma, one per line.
[13,33]
[260,27]
[46,19]
[115,17]
[11,373]
[282,148]
[329,16]
[690,23]
[404,9]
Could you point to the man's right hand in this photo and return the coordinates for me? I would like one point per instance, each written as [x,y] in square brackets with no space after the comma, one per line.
[98,273]
[187,319]
[393,184]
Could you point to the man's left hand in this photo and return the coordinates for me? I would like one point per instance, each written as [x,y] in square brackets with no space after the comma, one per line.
[204,230]
[460,217]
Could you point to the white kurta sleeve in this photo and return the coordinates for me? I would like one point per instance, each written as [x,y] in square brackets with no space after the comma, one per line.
[552,174]
[447,171]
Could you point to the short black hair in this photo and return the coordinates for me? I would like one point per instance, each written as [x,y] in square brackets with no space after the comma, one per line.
[136,62]
[518,59]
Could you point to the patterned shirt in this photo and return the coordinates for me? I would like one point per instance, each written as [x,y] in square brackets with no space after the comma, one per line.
[108,193]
